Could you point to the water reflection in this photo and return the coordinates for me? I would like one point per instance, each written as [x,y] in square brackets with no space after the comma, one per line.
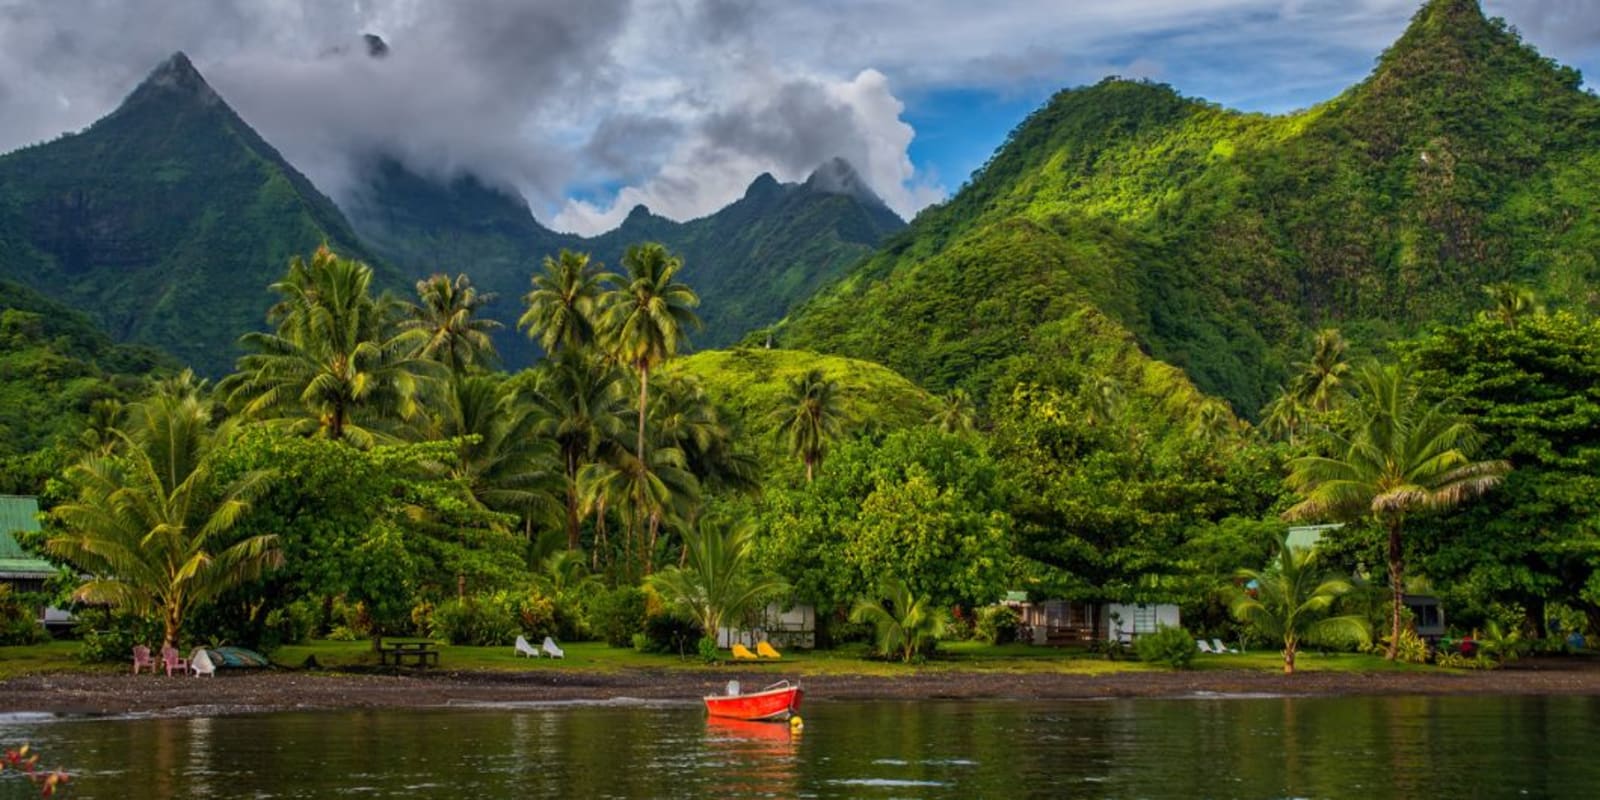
[1265,747]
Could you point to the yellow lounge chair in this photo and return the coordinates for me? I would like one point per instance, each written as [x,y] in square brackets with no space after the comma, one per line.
[766,650]
[740,652]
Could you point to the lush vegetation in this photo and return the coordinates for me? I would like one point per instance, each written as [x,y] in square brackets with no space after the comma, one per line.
[1222,241]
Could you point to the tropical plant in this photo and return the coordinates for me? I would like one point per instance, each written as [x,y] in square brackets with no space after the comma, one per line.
[811,417]
[1169,645]
[904,626]
[580,405]
[1403,456]
[648,317]
[150,524]
[718,582]
[1291,602]
[502,462]
[332,368]
[563,306]
[449,313]
[1321,382]
[955,414]
[1510,303]
[649,495]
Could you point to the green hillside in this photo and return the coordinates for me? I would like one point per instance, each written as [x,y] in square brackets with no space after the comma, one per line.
[1221,240]
[54,366]
[750,262]
[165,220]
[750,384]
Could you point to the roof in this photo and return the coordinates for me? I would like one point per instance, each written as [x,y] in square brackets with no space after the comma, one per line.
[1303,536]
[18,513]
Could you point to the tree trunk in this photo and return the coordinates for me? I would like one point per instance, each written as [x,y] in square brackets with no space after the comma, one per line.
[572,503]
[644,386]
[1397,585]
[1288,658]
[810,469]
[170,622]
[650,550]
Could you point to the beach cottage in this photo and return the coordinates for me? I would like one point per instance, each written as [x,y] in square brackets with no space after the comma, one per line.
[20,570]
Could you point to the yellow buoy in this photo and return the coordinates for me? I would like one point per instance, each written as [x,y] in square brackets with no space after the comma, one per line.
[796,723]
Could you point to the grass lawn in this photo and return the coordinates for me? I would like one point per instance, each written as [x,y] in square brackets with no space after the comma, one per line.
[61,656]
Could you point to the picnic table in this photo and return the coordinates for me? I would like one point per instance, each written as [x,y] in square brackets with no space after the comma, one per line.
[422,653]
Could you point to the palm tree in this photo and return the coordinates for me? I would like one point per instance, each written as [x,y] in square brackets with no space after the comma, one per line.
[1511,303]
[1403,456]
[903,624]
[1291,602]
[811,417]
[1284,416]
[955,414]
[448,313]
[684,417]
[501,460]
[649,317]
[719,580]
[579,404]
[563,306]
[1321,382]
[332,368]
[150,524]
[649,494]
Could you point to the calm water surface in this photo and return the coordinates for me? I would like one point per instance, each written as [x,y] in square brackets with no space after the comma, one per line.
[1209,747]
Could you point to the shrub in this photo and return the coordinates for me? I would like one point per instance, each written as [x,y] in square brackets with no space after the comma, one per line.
[998,624]
[1412,649]
[618,614]
[17,622]
[708,649]
[1173,647]
[669,633]
[110,635]
[537,614]
[482,620]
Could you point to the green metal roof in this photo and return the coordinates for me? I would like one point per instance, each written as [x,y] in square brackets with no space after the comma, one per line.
[19,514]
[1305,536]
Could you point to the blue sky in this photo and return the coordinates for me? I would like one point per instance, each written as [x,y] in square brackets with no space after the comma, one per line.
[588,107]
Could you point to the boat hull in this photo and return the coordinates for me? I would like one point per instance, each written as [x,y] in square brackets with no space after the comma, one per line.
[771,704]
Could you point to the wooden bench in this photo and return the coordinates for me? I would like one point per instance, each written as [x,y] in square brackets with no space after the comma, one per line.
[422,653]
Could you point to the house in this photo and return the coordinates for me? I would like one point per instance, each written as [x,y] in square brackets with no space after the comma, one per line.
[1064,622]
[784,626]
[22,571]
[1427,613]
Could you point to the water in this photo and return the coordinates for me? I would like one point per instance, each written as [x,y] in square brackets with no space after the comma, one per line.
[1202,747]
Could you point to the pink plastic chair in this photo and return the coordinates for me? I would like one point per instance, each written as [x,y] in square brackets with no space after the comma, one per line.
[173,660]
[141,658]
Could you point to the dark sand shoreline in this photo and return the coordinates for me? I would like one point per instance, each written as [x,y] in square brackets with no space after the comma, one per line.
[100,694]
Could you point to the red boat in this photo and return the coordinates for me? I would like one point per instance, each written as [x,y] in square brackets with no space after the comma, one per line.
[779,701]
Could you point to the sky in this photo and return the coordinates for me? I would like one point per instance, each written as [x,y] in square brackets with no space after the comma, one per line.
[589,107]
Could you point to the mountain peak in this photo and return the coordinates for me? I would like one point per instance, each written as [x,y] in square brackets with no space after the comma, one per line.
[763,186]
[176,75]
[838,176]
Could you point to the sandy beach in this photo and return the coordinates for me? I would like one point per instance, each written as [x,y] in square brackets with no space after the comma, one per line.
[281,690]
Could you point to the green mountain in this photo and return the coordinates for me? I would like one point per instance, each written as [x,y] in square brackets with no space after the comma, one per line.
[166,220]
[751,262]
[1220,240]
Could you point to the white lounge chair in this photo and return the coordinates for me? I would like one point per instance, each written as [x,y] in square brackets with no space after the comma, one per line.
[1204,647]
[200,663]
[550,647]
[524,648]
[1219,647]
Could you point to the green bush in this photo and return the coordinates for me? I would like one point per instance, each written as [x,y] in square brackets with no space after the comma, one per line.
[1412,649]
[1173,647]
[17,622]
[110,635]
[998,624]
[708,649]
[668,633]
[483,620]
[618,614]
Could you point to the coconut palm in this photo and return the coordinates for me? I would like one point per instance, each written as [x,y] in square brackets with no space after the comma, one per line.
[719,580]
[1403,456]
[684,417]
[1321,383]
[1291,601]
[449,313]
[955,413]
[1285,415]
[903,625]
[649,495]
[332,368]
[1511,303]
[648,317]
[811,417]
[501,460]
[150,524]
[564,304]
[579,402]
